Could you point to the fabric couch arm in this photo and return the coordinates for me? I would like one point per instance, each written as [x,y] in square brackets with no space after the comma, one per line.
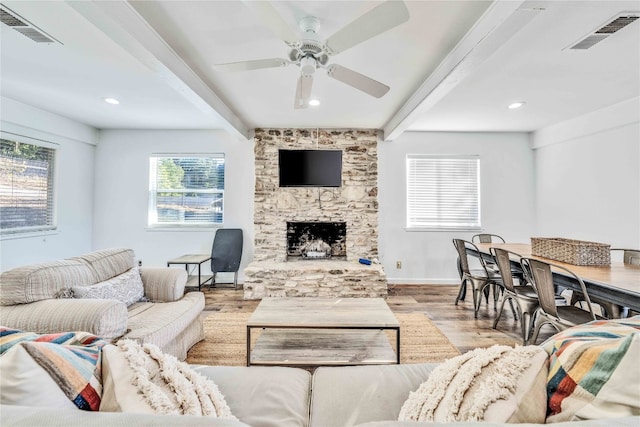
[106,319]
[163,284]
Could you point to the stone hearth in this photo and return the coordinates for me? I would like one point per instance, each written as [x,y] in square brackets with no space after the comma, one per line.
[314,279]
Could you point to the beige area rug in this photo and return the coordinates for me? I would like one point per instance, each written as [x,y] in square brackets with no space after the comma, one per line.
[226,334]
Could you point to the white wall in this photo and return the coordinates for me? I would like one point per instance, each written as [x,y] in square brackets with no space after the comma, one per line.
[507,200]
[588,177]
[74,185]
[121,193]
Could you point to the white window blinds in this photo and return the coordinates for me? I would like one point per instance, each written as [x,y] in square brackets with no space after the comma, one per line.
[186,190]
[443,192]
[26,187]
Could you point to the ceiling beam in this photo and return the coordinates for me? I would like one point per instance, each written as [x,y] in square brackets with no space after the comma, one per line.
[502,20]
[123,24]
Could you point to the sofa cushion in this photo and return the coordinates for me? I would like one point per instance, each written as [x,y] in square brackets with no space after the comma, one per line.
[264,396]
[38,282]
[496,384]
[11,415]
[108,263]
[619,422]
[126,287]
[593,372]
[346,396]
[104,318]
[143,379]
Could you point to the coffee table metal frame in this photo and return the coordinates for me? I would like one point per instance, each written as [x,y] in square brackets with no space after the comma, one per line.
[280,323]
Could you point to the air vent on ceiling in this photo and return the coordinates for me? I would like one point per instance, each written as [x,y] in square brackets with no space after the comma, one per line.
[605,31]
[24,27]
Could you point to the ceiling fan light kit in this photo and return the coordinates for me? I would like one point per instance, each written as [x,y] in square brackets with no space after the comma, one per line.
[310,53]
[308,65]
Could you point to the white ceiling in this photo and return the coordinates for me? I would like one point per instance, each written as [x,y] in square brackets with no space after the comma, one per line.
[454,66]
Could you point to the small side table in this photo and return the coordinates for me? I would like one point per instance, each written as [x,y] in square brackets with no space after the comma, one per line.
[198,260]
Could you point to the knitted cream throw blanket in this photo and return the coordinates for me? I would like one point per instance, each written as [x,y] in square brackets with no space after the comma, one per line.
[170,386]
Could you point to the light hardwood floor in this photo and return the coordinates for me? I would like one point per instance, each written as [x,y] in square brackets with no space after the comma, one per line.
[436,301]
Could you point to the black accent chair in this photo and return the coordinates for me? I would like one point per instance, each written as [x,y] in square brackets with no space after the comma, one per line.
[226,253]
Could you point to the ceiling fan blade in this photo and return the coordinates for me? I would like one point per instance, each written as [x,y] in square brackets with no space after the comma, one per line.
[303,91]
[272,19]
[255,64]
[357,80]
[378,20]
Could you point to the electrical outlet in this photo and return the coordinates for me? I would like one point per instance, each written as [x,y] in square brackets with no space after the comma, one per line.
[398,265]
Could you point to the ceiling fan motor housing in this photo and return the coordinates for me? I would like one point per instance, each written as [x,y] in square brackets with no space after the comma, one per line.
[307,48]
[310,25]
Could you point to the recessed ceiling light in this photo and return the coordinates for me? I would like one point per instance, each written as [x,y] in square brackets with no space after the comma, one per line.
[314,102]
[515,105]
[111,101]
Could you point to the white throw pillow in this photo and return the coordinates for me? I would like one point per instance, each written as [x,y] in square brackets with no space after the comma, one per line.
[126,287]
[143,379]
[497,384]
[26,383]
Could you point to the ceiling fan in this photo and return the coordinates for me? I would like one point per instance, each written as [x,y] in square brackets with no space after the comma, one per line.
[309,52]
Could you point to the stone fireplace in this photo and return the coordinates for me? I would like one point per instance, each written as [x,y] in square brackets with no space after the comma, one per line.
[315,241]
[308,240]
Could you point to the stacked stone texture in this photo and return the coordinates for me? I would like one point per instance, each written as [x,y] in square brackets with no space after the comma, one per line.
[335,279]
[355,202]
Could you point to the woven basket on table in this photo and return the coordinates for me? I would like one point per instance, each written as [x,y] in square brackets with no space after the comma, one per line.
[576,252]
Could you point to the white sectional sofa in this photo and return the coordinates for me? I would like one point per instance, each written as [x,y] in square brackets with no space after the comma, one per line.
[602,390]
[368,396]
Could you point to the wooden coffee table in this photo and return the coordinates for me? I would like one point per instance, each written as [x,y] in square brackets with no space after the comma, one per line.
[322,332]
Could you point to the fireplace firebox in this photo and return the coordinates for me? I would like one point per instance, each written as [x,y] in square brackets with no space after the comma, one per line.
[316,240]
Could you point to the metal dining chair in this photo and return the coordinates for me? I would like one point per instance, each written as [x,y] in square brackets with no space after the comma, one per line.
[629,256]
[524,296]
[487,238]
[560,317]
[480,279]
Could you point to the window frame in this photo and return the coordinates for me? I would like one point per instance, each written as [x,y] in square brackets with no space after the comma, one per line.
[466,226]
[152,223]
[52,190]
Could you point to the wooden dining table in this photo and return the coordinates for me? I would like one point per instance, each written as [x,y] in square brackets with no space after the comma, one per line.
[618,283]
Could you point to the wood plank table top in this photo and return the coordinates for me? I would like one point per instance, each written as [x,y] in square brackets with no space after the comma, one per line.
[618,282]
[332,313]
[190,259]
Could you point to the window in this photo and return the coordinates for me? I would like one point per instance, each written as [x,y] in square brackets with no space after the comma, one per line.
[443,192]
[186,190]
[26,187]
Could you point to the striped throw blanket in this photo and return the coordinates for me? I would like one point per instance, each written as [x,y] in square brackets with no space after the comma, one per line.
[72,359]
[593,367]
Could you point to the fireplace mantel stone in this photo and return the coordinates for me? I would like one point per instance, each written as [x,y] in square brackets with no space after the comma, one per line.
[326,278]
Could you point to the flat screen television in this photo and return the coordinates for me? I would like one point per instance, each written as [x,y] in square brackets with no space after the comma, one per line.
[310,168]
